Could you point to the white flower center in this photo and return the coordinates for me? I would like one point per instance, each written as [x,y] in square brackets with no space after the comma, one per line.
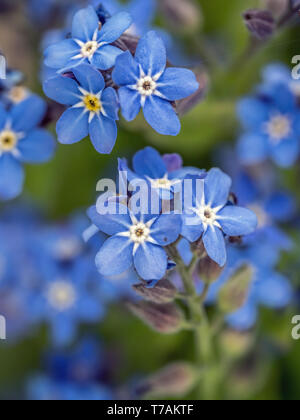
[61,295]
[139,233]
[278,128]
[67,248]
[146,86]
[89,48]
[207,215]
[8,140]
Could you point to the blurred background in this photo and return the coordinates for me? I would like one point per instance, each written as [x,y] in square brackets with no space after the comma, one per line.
[112,352]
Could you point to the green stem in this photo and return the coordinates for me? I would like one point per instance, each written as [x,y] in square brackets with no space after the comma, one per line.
[205,355]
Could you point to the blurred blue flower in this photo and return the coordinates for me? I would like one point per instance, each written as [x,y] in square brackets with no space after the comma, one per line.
[89,43]
[93,111]
[71,375]
[268,287]
[43,388]
[66,299]
[148,84]
[212,216]
[135,240]
[22,141]
[271,121]
[271,208]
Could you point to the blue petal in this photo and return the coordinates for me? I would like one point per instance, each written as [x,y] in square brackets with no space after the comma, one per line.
[214,243]
[151,262]
[177,84]
[110,103]
[115,256]
[62,90]
[89,78]
[148,162]
[274,290]
[184,249]
[3,116]
[161,116]
[28,114]
[111,6]
[11,177]
[105,57]
[286,153]
[151,54]
[280,206]
[192,227]
[103,132]
[72,126]
[130,101]
[57,56]
[252,113]
[132,73]
[85,23]
[244,318]
[115,27]
[252,148]
[37,147]
[111,224]
[166,229]
[217,188]
[143,13]
[63,330]
[236,221]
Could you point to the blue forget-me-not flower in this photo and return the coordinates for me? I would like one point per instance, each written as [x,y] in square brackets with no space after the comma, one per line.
[146,83]
[137,240]
[211,216]
[93,109]
[90,42]
[22,141]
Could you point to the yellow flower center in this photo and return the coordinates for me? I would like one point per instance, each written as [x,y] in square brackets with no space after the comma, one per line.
[278,127]
[92,103]
[8,140]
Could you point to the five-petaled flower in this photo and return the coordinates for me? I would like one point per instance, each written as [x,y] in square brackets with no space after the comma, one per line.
[90,42]
[146,83]
[272,127]
[21,141]
[137,240]
[94,109]
[211,216]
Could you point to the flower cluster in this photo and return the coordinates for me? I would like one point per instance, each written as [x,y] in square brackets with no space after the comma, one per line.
[139,238]
[96,76]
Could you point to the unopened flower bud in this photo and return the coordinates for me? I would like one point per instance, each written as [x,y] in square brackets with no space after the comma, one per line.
[236,344]
[166,319]
[187,104]
[235,292]
[208,270]
[276,7]
[175,380]
[260,23]
[163,292]
[181,13]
